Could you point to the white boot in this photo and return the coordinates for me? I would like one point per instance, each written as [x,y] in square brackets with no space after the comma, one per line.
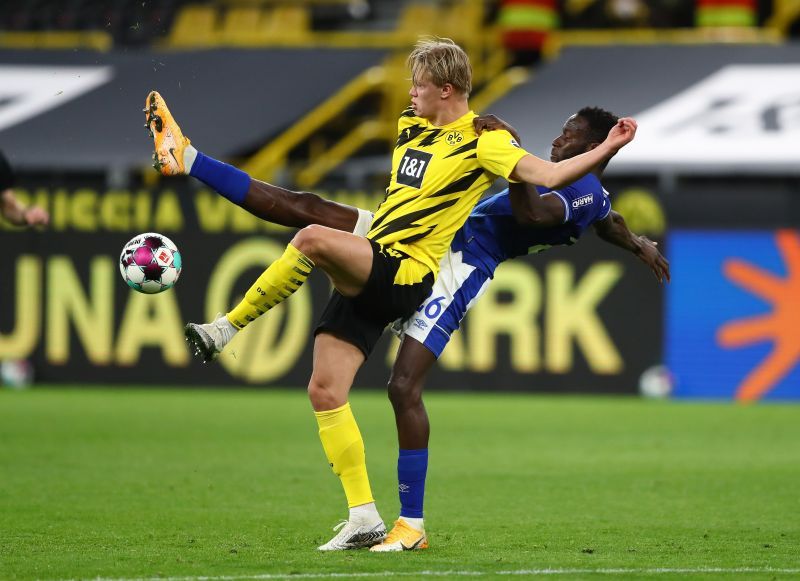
[356,533]
[209,339]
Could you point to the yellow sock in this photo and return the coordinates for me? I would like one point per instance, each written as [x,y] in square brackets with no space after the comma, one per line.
[276,284]
[344,448]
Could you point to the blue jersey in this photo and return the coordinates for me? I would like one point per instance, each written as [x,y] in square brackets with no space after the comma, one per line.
[491,234]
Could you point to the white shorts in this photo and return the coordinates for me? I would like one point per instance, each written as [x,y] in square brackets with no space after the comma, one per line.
[456,289]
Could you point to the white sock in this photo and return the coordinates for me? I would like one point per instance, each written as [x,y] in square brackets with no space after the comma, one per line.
[365,513]
[225,326]
[415,523]
[189,155]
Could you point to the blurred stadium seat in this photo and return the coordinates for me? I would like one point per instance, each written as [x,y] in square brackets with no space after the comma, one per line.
[195,25]
[127,462]
[344,61]
[133,22]
[241,25]
[289,25]
[785,17]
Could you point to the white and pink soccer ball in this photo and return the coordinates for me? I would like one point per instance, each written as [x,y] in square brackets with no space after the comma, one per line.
[150,263]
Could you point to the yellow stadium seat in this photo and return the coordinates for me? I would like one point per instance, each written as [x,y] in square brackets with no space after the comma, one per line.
[195,25]
[463,21]
[419,19]
[246,3]
[286,25]
[784,13]
[574,7]
[241,26]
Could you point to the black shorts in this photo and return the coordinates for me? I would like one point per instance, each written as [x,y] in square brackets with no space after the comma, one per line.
[360,320]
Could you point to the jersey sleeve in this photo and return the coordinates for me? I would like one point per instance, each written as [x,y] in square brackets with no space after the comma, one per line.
[584,205]
[499,153]
[604,209]
[6,174]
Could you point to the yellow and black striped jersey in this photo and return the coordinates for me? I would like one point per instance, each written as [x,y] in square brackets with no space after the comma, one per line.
[438,175]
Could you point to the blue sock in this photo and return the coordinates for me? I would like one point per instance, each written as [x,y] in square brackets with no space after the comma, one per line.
[412,466]
[229,181]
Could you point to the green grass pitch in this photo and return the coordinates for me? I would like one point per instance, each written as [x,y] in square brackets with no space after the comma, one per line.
[141,484]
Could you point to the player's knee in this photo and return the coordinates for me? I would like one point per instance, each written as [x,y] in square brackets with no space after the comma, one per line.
[404,392]
[322,395]
[310,240]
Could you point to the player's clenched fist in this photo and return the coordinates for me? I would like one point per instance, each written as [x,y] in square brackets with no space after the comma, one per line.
[622,133]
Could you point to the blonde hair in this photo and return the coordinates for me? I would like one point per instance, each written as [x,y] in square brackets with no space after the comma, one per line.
[443,61]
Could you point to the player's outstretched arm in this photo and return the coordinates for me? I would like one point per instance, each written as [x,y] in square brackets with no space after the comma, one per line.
[19,215]
[297,209]
[613,229]
[534,170]
[529,208]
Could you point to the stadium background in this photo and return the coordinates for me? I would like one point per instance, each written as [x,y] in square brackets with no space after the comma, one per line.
[114,465]
[305,94]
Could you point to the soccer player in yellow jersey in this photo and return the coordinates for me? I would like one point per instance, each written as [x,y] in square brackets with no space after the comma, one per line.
[440,167]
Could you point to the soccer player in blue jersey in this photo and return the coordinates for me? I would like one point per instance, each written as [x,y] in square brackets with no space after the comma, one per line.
[520,219]
[440,167]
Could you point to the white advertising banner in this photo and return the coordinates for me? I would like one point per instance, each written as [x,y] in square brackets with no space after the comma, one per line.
[743,118]
[27,91]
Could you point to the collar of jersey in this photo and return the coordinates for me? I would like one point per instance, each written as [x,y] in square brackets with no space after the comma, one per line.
[466,118]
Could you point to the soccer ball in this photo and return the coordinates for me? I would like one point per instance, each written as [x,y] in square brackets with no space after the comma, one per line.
[150,263]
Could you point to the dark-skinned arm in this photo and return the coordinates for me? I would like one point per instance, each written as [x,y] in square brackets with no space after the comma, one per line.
[297,209]
[552,175]
[613,230]
[532,209]
[529,208]
[491,122]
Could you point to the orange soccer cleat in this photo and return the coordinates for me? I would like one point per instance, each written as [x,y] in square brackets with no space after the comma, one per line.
[402,537]
[170,143]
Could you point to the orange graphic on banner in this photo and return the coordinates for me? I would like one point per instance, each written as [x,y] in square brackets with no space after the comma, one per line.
[781,326]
